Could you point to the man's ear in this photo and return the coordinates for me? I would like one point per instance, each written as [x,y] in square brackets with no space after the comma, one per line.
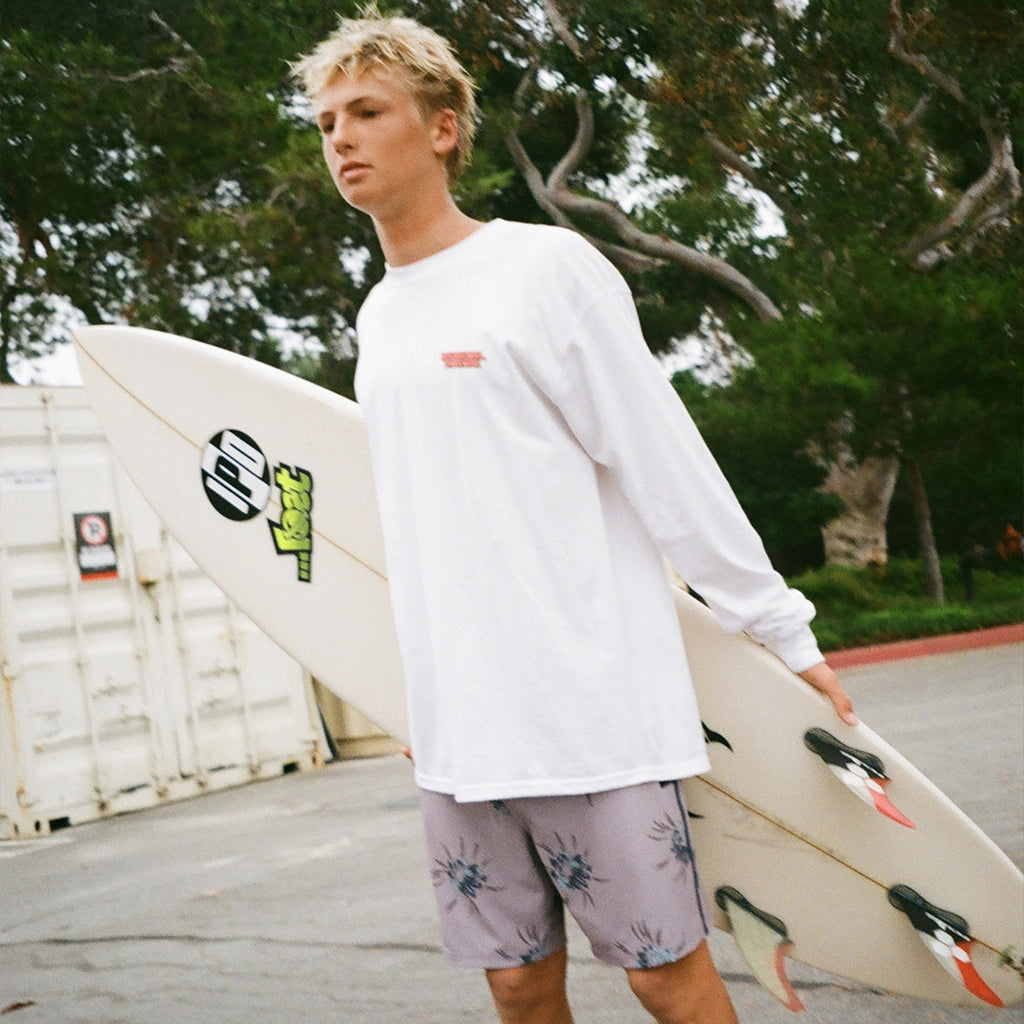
[445,131]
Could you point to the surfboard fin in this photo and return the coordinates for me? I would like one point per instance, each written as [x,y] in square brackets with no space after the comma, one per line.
[861,772]
[710,736]
[764,942]
[947,936]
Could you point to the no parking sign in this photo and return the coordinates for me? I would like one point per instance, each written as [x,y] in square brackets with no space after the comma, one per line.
[94,539]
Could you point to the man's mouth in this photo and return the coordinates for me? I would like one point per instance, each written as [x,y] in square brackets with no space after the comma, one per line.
[351,169]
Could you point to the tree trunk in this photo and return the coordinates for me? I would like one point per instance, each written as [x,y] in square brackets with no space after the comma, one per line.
[925,535]
[5,338]
[858,536]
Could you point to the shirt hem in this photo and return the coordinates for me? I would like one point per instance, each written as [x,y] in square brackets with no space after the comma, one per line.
[518,788]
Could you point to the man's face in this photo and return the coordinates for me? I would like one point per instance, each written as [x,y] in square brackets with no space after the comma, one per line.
[382,154]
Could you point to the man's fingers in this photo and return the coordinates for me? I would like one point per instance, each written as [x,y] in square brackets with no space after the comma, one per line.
[822,678]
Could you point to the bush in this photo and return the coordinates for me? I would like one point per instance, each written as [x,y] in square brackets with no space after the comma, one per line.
[886,603]
[835,586]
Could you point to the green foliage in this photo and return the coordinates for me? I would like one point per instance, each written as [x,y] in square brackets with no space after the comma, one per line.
[835,587]
[975,491]
[881,604]
[767,464]
[913,360]
[153,168]
[150,174]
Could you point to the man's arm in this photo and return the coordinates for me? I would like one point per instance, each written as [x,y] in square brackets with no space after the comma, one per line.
[624,412]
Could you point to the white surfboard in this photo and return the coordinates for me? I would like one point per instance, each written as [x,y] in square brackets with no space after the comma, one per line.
[804,846]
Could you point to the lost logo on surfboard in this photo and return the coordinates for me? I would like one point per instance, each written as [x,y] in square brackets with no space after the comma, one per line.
[237,480]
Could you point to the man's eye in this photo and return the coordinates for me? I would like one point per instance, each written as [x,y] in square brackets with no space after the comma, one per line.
[326,127]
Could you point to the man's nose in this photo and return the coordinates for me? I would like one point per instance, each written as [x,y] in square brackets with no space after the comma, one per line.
[339,138]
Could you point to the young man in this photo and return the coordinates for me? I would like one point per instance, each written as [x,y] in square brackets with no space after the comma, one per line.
[533,467]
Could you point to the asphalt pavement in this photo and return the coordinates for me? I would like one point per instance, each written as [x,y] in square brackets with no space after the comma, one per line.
[307,898]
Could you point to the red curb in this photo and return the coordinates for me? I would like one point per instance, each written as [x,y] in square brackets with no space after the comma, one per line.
[877,653]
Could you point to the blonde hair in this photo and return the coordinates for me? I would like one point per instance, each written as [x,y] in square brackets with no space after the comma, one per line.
[423,59]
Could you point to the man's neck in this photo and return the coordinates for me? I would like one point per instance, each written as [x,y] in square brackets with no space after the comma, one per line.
[409,239]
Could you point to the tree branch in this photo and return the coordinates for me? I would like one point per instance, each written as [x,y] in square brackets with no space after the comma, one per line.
[998,190]
[577,152]
[625,259]
[907,124]
[663,247]
[561,27]
[174,65]
[187,47]
[642,250]
[994,195]
[901,39]
[731,159]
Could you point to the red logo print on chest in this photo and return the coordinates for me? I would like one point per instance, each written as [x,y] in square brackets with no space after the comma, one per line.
[462,360]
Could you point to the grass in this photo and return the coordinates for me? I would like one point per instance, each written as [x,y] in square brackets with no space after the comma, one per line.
[880,604]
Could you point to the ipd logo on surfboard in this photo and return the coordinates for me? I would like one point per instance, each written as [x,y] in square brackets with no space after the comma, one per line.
[236,478]
[236,475]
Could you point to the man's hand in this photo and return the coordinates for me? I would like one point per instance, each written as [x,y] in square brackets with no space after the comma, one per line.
[822,678]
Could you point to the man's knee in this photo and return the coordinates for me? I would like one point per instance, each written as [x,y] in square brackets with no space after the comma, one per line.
[516,988]
[685,992]
[531,991]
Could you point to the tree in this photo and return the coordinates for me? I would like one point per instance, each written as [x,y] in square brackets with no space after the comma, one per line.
[763,453]
[921,366]
[953,211]
[156,170]
[882,134]
[180,188]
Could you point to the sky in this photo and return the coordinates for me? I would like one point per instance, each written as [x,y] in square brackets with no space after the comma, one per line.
[59,368]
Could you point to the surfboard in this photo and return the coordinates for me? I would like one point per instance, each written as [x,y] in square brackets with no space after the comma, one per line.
[814,840]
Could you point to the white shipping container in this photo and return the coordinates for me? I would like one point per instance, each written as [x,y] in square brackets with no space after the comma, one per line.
[128,677]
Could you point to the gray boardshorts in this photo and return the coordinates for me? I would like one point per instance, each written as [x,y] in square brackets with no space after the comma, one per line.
[620,861]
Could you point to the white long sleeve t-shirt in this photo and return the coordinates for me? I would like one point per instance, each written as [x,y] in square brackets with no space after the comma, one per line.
[533,465]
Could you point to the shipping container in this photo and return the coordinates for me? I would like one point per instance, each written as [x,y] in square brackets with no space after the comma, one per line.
[128,677]
[352,734]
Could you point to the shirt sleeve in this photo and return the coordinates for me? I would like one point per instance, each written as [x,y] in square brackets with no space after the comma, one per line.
[625,413]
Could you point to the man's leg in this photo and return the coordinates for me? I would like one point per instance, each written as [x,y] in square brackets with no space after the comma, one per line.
[532,993]
[689,991]
[624,864]
[498,909]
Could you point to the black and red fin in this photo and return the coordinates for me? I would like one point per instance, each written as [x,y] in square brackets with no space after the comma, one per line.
[862,772]
[947,936]
[764,941]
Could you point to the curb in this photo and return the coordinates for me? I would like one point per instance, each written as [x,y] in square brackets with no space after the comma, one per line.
[926,646]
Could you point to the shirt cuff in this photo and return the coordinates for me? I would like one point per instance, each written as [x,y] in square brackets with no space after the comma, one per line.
[799,651]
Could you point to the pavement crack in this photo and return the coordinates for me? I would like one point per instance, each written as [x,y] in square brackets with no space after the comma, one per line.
[190,939]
